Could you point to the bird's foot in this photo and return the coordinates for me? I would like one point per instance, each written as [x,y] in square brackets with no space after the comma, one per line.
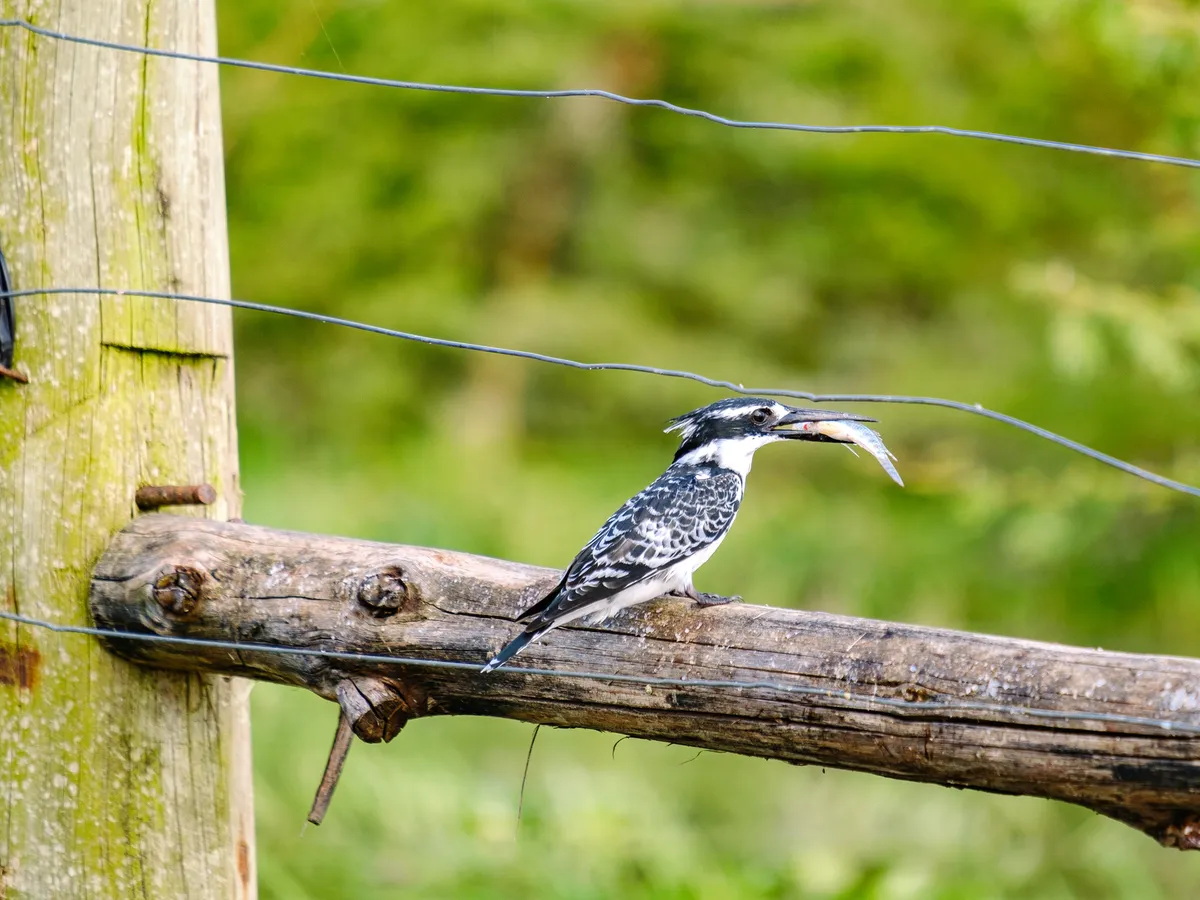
[713,599]
[690,593]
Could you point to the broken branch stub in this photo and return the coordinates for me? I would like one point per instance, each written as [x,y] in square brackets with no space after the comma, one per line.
[923,704]
[375,708]
[372,708]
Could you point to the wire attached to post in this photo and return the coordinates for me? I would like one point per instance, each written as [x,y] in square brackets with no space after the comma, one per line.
[608,95]
[844,698]
[972,408]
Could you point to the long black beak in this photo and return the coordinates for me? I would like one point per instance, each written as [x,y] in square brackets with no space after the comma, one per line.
[791,425]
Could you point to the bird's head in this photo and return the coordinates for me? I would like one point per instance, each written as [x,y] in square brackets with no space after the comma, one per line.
[727,433]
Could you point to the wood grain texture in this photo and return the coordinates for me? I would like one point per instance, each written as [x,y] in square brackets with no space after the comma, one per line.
[183,577]
[116,781]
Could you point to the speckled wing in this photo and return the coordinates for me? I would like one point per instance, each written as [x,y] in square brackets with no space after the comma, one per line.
[677,516]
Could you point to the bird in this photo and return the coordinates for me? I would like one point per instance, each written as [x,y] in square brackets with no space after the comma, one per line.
[655,542]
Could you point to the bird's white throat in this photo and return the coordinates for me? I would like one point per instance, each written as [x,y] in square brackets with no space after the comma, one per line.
[736,454]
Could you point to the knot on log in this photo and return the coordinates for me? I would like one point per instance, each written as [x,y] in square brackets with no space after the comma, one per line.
[179,589]
[916,693]
[376,708]
[386,592]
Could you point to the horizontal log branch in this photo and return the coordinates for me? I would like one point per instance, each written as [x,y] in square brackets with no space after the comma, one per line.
[923,704]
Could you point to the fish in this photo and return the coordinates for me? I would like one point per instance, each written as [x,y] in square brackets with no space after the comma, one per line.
[859,434]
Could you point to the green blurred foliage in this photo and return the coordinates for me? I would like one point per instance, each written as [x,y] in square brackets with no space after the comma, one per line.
[1058,287]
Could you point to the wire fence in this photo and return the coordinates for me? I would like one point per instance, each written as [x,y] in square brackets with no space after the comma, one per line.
[843,697]
[895,706]
[973,408]
[605,95]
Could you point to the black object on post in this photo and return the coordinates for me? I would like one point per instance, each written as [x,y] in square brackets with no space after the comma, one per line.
[8,319]
[8,326]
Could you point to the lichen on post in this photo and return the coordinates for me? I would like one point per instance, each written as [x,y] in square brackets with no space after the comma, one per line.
[116,782]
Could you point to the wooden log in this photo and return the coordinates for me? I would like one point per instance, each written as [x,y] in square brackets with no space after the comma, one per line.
[116,782]
[963,710]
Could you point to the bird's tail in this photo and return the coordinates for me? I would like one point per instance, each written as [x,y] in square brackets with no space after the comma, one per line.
[515,646]
[533,630]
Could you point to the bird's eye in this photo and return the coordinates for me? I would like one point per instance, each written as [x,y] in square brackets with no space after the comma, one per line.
[759,416]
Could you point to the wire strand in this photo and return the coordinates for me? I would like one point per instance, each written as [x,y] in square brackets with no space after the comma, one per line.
[973,408]
[607,95]
[976,409]
[844,697]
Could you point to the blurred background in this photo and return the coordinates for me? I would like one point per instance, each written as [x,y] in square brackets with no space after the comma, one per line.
[1057,287]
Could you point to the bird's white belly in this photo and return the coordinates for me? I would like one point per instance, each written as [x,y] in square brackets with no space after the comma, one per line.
[687,567]
[674,578]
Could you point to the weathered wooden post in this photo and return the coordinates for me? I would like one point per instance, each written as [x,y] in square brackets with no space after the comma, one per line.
[115,781]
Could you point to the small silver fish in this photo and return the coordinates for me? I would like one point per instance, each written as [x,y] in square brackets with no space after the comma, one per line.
[860,434]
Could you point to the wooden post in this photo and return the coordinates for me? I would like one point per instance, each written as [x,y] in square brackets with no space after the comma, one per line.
[1118,733]
[115,782]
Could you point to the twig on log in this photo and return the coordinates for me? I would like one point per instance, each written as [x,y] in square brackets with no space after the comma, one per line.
[371,708]
[923,704]
[343,737]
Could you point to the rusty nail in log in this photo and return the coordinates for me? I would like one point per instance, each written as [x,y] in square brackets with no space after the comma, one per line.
[152,496]
[14,375]
[383,593]
[177,590]
[342,738]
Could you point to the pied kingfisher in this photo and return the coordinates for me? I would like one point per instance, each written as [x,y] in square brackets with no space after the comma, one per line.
[653,544]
